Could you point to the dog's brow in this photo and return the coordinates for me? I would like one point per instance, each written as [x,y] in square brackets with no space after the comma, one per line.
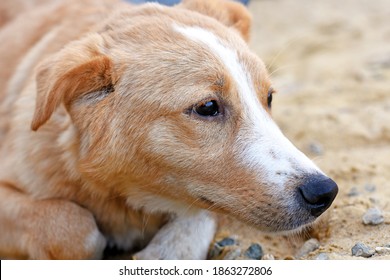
[230,60]
[227,56]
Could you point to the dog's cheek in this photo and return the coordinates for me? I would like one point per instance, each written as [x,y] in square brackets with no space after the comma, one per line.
[170,146]
[102,144]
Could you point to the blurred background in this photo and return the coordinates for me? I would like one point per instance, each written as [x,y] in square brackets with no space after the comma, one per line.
[171,2]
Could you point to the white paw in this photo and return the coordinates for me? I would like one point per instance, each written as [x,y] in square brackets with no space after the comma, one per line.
[183,238]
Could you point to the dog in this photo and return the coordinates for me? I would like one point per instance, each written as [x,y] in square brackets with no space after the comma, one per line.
[134,127]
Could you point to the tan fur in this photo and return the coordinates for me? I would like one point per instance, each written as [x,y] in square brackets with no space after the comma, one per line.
[92,75]
[58,166]
[233,15]
[115,155]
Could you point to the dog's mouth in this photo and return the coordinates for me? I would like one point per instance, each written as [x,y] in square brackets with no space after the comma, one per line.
[284,215]
[284,221]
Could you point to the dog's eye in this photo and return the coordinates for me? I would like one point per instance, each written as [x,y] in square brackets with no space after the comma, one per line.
[207,109]
[269,98]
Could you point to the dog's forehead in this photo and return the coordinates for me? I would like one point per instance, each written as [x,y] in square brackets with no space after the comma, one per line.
[188,48]
[246,70]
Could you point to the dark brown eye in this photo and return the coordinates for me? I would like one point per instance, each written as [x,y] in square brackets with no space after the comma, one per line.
[207,109]
[269,98]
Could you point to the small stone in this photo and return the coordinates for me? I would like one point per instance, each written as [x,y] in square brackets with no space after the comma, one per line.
[232,254]
[374,200]
[268,257]
[228,241]
[322,256]
[308,247]
[215,251]
[383,250]
[362,250]
[218,250]
[316,148]
[254,252]
[380,61]
[370,188]
[353,192]
[373,216]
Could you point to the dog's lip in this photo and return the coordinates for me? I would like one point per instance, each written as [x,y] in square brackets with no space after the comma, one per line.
[291,228]
[289,220]
[296,230]
[288,227]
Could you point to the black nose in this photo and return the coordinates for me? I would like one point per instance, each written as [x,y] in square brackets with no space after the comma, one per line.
[318,192]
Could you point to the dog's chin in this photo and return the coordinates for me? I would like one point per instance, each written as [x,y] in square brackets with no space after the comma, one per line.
[287,228]
[297,231]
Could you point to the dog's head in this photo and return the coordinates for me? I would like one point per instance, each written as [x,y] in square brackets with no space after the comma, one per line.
[173,110]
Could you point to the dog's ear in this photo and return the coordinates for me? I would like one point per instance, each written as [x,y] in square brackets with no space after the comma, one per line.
[230,13]
[61,80]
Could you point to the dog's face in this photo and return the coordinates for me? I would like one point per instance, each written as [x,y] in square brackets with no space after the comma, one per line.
[173,111]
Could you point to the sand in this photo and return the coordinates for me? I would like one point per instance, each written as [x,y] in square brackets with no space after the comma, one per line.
[330,63]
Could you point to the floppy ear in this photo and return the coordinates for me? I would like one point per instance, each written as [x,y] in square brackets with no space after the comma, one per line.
[230,13]
[56,85]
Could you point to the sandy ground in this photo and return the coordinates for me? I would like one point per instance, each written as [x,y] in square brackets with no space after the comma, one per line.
[330,61]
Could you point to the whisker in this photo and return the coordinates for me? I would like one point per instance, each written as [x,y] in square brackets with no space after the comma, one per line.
[283,68]
[284,49]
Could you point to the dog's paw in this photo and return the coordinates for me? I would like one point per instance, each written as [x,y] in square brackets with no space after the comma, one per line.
[64,230]
[182,238]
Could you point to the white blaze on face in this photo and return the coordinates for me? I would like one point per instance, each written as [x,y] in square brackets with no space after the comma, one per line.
[260,144]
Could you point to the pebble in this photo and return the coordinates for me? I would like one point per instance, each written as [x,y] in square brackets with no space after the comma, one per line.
[268,257]
[381,61]
[215,251]
[353,192]
[374,200]
[219,246]
[322,256]
[362,250]
[383,250]
[228,241]
[370,188]
[373,216]
[316,148]
[308,247]
[232,254]
[254,252]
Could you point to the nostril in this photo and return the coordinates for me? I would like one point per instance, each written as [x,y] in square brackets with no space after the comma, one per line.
[318,192]
[315,194]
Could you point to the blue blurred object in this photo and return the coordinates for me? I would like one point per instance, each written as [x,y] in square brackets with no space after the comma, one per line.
[173,2]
